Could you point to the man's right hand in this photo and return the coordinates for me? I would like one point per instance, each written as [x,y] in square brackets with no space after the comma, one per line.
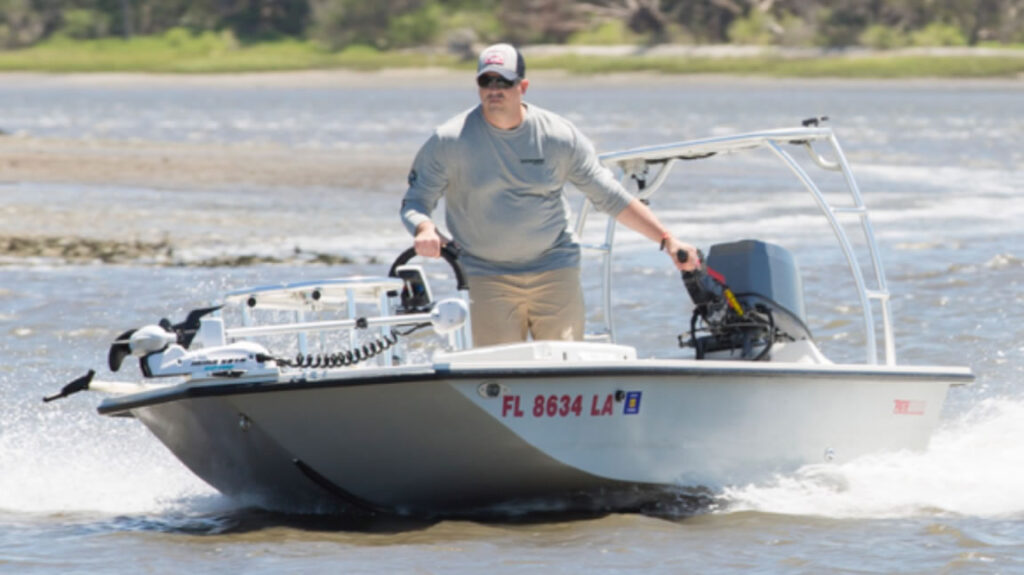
[427,241]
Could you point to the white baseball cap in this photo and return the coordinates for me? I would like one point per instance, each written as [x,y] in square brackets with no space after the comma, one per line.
[502,59]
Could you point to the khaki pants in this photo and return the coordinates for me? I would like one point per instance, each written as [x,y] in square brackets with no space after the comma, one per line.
[546,305]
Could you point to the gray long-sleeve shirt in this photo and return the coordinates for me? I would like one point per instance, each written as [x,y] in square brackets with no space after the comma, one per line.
[505,201]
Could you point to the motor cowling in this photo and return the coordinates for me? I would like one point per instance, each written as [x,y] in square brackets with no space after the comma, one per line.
[154,338]
[244,358]
[747,296]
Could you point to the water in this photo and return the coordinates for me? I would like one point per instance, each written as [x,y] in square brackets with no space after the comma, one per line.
[940,165]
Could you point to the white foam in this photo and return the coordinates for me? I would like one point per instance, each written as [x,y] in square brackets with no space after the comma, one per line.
[53,461]
[973,467]
[969,181]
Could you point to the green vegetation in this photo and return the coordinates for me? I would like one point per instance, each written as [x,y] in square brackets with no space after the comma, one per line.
[609,33]
[881,66]
[221,53]
[204,36]
[180,52]
[390,24]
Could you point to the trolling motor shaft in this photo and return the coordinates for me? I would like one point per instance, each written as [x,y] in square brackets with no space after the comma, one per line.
[80,384]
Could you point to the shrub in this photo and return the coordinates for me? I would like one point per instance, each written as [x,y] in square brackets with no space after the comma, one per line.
[415,28]
[178,37]
[795,31]
[84,24]
[607,33]
[938,34]
[755,28]
[841,25]
[882,37]
[340,23]
[484,25]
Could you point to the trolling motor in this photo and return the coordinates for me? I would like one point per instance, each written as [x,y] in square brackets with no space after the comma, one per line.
[166,350]
[759,305]
[156,337]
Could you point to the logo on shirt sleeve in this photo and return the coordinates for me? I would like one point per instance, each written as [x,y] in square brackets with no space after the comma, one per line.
[412,177]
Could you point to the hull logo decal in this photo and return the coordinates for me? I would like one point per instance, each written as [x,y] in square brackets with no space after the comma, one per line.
[908,407]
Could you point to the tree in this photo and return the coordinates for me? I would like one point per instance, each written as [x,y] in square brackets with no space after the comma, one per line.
[974,18]
[261,18]
[541,21]
[398,23]
[705,20]
[643,17]
[25,22]
[340,23]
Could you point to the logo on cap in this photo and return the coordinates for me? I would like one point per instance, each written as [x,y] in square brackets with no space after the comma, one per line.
[503,59]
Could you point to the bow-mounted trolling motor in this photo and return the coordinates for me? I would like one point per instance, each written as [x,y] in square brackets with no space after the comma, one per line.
[194,347]
[748,296]
[164,349]
[156,337]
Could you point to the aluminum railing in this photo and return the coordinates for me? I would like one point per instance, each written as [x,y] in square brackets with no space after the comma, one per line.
[635,167]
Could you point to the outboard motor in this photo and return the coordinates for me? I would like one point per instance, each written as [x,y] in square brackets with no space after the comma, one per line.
[748,295]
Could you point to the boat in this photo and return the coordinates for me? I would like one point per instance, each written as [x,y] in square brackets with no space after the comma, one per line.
[366,394]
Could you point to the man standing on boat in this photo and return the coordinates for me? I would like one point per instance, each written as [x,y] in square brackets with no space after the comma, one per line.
[502,167]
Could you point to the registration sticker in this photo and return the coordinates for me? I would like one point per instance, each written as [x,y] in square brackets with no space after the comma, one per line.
[632,406]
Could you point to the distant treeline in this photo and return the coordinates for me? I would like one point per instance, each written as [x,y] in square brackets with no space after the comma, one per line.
[461,24]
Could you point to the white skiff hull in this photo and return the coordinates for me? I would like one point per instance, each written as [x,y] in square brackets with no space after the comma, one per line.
[451,438]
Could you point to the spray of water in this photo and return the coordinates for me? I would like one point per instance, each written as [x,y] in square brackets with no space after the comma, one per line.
[972,467]
[66,459]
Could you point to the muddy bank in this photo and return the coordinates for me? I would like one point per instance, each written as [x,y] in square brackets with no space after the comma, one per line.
[92,201]
[79,250]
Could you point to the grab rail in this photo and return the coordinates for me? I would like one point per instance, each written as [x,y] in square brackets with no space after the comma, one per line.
[635,164]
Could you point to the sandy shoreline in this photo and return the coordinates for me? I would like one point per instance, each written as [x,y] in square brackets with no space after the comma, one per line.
[446,77]
[169,165]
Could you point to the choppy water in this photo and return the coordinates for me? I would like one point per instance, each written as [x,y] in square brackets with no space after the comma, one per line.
[941,167]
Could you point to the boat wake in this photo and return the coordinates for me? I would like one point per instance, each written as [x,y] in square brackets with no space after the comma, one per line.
[972,467]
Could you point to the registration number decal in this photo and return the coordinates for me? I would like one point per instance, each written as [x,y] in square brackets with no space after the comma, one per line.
[564,405]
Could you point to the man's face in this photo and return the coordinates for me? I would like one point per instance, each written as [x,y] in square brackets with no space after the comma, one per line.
[500,95]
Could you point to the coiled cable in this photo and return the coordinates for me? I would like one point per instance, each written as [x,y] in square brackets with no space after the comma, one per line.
[345,358]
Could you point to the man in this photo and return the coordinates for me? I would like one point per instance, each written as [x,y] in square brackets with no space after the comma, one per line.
[501,167]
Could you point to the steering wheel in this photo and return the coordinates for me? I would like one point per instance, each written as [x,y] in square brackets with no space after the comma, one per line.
[449,252]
